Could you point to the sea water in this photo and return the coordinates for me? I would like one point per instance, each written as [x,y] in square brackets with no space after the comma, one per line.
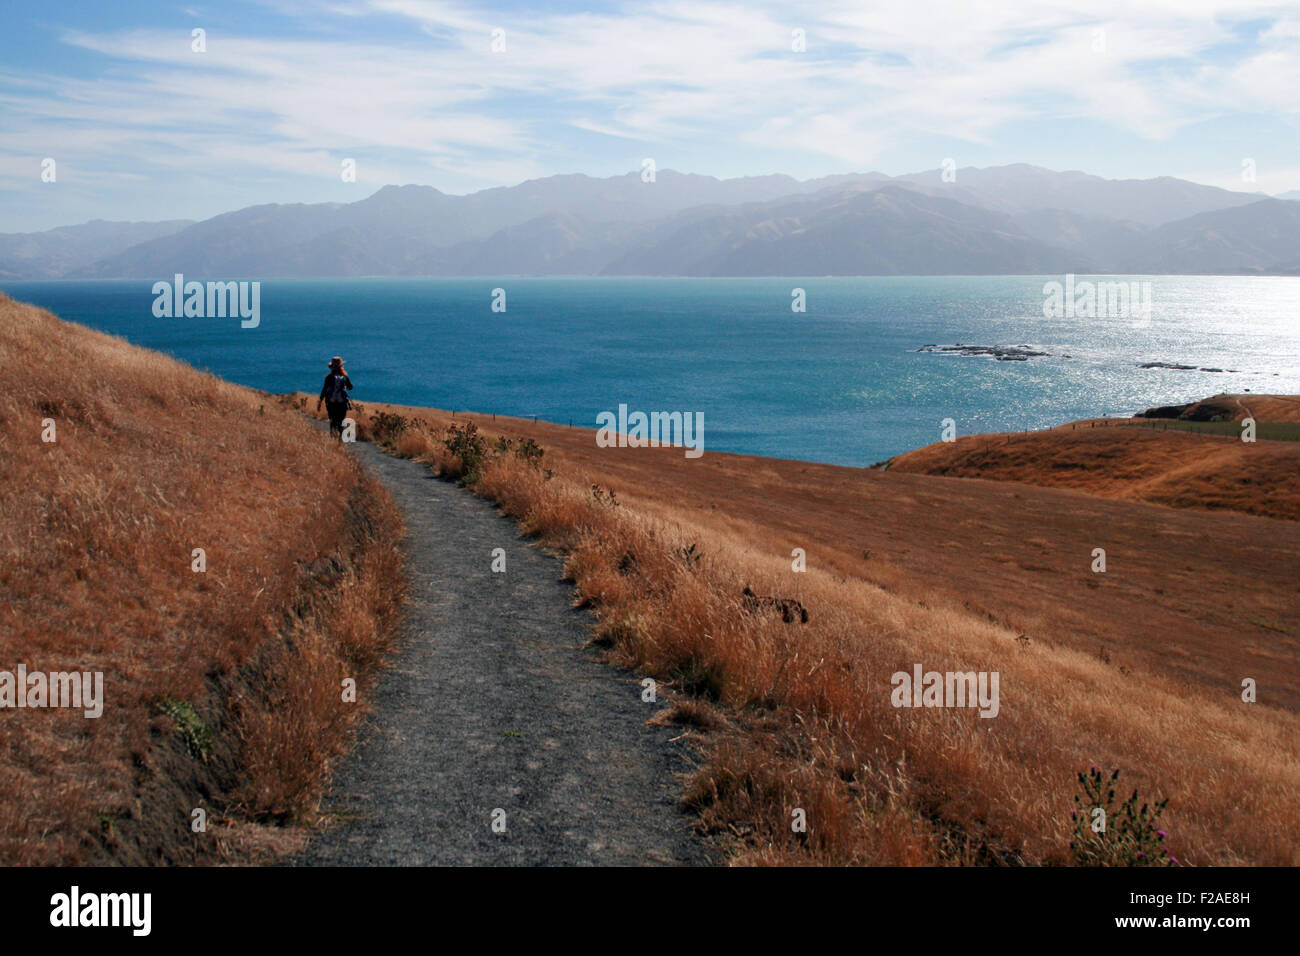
[840,382]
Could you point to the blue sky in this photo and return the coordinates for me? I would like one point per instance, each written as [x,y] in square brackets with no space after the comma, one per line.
[141,126]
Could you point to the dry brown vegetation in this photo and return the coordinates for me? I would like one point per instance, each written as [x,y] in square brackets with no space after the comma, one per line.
[1128,459]
[222,688]
[906,569]
[1234,406]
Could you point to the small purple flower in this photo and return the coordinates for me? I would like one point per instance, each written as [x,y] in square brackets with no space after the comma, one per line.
[1173,859]
[1161,833]
[1140,853]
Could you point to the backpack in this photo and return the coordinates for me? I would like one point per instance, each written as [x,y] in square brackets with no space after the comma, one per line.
[338,390]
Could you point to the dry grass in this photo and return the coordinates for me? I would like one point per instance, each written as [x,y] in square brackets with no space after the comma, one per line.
[1127,459]
[799,716]
[1234,406]
[153,460]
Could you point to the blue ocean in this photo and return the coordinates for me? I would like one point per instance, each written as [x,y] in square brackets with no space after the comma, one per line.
[841,382]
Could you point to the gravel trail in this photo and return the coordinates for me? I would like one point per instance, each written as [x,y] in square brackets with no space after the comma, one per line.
[492,703]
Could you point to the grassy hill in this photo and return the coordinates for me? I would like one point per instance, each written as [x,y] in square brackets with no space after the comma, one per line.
[1186,456]
[222,685]
[1137,669]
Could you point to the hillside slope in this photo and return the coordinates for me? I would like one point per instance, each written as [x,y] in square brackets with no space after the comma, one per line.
[1139,668]
[221,686]
[1149,459]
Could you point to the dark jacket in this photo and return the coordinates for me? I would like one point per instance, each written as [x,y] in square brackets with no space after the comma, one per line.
[329,381]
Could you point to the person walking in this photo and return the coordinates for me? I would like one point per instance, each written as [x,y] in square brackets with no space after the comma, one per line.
[334,395]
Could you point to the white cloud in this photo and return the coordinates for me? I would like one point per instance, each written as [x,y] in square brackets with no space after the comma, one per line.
[435,103]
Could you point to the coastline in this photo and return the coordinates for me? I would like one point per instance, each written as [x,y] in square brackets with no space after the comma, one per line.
[1282,409]
[683,560]
[895,568]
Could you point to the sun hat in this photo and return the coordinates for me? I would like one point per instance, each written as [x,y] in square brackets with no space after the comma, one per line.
[336,361]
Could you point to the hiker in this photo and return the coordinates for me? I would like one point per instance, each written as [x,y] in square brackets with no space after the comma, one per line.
[334,393]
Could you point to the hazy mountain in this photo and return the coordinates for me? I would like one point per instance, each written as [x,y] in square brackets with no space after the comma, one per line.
[1004,219]
[247,242]
[557,243]
[398,226]
[890,230]
[1261,237]
[46,255]
[1104,241]
[628,199]
[1021,188]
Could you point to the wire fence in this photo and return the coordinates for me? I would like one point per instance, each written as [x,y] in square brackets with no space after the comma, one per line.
[1265,431]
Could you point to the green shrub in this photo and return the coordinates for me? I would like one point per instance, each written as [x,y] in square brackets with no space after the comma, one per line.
[468,445]
[1129,835]
[195,733]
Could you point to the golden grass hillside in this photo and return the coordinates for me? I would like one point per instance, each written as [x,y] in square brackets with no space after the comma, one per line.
[798,717]
[1233,407]
[221,686]
[1144,459]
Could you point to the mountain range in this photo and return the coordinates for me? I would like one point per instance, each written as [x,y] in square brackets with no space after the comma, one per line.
[1015,219]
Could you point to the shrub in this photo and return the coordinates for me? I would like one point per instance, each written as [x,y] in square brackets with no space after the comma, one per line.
[1129,835]
[196,734]
[529,452]
[468,445]
[525,449]
[385,427]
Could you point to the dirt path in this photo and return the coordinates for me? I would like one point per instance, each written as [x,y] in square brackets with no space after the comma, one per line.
[492,702]
[1205,597]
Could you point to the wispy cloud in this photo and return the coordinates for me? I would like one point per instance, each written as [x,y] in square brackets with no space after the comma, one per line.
[413,89]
